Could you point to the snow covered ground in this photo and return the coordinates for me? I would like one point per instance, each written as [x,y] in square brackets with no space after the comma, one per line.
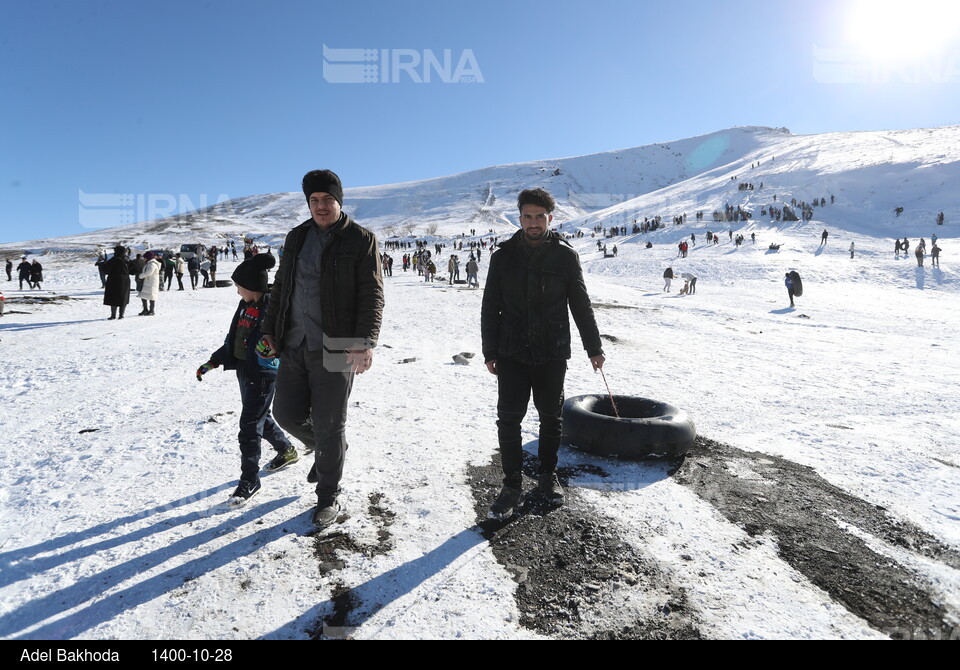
[121,532]
[117,461]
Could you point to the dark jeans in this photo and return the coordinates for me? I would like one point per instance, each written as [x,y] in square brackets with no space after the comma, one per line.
[194,278]
[256,423]
[313,388]
[515,381]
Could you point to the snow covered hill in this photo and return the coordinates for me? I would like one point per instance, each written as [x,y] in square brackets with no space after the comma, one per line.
[870,173]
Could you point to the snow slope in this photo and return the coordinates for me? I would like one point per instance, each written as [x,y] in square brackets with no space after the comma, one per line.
[869,172]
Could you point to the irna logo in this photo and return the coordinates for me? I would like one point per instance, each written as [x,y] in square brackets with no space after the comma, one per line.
[393,66]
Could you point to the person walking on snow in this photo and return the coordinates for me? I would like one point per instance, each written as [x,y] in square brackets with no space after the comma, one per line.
[179,266]
[23,273]
[36,273]
[472,270]
[151,284]
[116,292]
[667,278]
[788,282]
[256,375]
[534,278]
[324,317]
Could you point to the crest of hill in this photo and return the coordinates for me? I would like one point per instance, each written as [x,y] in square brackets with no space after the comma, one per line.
[870,173]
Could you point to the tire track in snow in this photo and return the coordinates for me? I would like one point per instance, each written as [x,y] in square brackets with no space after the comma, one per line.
[805,515]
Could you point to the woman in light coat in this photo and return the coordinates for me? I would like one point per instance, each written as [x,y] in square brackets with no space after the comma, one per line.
[151,283]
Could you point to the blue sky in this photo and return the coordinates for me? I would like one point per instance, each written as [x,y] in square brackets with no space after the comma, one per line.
[212,99]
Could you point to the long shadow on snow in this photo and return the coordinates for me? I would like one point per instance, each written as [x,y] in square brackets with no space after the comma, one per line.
[15,327]
[28,567]
[9,557]
[818,529]
[350,608]
[93,586]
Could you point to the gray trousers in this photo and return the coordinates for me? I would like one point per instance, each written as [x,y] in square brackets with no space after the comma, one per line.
[312,391]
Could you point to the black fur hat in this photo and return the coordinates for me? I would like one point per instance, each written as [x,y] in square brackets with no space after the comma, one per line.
[252,274]
[323,181]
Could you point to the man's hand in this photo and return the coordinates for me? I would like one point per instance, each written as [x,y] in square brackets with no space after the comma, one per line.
[597,362]
[265,348]
[360,360]
[492,367]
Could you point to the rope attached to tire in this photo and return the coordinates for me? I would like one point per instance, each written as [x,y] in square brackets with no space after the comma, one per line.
[615,410]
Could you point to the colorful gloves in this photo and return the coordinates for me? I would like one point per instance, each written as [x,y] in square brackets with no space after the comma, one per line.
[264,350]
[205,368]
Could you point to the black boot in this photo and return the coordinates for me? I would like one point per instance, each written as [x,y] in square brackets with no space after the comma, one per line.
[548,486]
[507,501]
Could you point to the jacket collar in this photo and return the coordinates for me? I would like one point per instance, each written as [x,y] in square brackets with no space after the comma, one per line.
[549,238]
[339,228]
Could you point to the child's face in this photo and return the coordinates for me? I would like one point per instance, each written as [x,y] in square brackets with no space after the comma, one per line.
[248,296]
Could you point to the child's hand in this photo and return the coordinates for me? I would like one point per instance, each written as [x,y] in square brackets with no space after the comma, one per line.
[205,368]
[264,349]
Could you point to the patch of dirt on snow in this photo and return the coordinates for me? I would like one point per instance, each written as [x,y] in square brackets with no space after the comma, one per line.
[333,550]
[801,511]
[38,300]
[575,577]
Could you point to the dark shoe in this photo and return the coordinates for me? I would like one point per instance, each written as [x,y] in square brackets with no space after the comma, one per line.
[282,460]
[150,313]
[548,486]
[244,492]
[111,318]
[505,504]
[326,515]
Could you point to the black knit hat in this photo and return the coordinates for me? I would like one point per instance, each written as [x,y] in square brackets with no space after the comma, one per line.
[323,181]
[252,273]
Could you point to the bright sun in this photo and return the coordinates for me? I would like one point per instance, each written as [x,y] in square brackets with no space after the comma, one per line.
[901,30]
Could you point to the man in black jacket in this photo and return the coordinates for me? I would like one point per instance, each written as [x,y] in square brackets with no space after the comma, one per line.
[525,328]
[23,273]
[324,317]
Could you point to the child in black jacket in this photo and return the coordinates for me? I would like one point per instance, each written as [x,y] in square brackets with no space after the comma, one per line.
[257,376]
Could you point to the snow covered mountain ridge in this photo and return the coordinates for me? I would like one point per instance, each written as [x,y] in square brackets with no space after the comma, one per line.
[869,173]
